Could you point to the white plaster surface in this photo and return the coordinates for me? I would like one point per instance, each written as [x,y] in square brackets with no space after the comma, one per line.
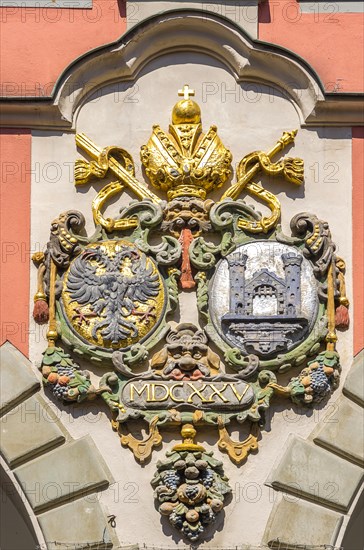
[251,117]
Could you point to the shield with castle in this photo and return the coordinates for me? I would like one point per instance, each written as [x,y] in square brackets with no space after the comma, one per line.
[266,311]
[268,302]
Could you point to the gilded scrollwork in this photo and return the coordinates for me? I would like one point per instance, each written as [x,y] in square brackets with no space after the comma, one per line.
[237,450]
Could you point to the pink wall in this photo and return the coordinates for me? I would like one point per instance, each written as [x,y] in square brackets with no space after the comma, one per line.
[15,237]
[332,43]
[38,43]
[51,38]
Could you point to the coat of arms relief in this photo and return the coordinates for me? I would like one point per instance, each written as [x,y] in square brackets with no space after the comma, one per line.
[269,302]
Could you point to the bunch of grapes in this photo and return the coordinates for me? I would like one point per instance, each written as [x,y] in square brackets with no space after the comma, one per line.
[176,520]
[171,479]
[60,391]
[319,381]
[66,371]
[60,388]
[192,491]
[207,515]
[192,534]
[208,478]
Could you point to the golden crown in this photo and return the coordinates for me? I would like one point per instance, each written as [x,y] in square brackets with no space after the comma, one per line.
[185,162]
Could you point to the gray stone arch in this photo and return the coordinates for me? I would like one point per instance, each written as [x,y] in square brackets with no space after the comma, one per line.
[38,497]
[320,480]
[189,31]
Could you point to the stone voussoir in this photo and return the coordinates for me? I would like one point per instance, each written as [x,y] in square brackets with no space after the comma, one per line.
[66,473]
[86,522]
[342,431]
[29,430]
[315,474]
[354,383]
[294,523]
[17,378]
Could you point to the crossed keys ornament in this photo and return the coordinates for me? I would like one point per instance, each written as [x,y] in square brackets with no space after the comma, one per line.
[186,164]
[269,302]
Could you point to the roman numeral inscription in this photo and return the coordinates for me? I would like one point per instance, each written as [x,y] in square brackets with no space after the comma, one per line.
[141,394]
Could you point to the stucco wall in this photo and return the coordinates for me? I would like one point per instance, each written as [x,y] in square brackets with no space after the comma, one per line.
[15,147]
[39,43]
[326,34]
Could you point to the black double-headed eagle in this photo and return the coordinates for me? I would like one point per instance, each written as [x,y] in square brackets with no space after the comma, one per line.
[113,285]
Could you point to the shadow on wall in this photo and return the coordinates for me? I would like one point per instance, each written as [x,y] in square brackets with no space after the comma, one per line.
[122,7]
[354,534]
[16,531]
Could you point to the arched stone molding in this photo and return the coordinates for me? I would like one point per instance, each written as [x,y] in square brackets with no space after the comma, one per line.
[190,31]
[320,480]
[186,31]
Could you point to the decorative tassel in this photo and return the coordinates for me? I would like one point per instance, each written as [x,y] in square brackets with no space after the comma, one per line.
[52,333]
[342,319]
[186,279]
[41,309]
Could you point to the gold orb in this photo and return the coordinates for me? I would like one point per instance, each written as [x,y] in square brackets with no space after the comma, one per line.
[186,111]
[188,431]
[52,335]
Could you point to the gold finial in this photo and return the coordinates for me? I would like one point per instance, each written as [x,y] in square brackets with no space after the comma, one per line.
[188,434]
[186,111]
[186,92]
